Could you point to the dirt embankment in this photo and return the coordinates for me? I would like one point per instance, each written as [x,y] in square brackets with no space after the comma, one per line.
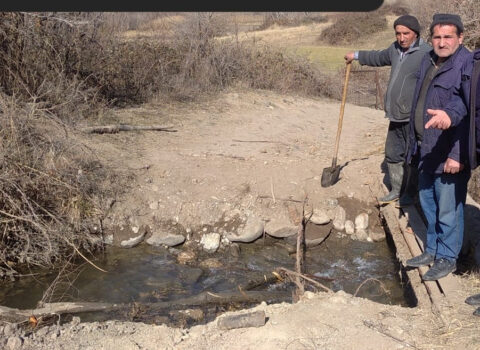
[264,153]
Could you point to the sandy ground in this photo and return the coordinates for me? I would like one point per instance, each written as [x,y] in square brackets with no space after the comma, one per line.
[264,153]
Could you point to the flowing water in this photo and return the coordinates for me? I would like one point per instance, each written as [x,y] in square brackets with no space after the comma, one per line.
[147,274]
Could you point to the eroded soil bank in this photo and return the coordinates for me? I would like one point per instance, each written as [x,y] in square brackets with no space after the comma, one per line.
[253,154]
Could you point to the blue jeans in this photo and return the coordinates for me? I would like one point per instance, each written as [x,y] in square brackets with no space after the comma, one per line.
[442,197]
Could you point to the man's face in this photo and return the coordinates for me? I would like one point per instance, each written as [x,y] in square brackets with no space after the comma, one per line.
[445,40]
[405,36]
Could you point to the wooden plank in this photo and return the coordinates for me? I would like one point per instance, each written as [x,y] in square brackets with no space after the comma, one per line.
[448,284]
[403,253]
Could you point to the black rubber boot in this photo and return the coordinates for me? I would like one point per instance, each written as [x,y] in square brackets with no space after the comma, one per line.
[473,299]
[395,172]
[410,193]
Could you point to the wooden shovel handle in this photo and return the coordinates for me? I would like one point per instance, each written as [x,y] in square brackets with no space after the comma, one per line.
[340,118]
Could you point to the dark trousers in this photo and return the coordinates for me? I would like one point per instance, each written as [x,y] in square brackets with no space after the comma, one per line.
[396,143]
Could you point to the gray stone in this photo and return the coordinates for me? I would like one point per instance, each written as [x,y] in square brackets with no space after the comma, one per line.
[332,202]
[361,221]
[249,319]
[377,236]
[133,241]
[210,242]
[10,329]
[108,239]
[319,217]
[14,343]
[168,239]
[252,230]
[234,250]
[339,218]
[349,227]
[280,228]
[361,235]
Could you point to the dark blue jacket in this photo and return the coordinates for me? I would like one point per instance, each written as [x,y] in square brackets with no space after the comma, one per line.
[447,92]
[474,139]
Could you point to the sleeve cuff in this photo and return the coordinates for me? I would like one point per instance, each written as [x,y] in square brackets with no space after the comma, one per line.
[355,55]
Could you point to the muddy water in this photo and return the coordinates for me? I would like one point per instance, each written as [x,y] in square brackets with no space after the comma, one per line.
[148,274]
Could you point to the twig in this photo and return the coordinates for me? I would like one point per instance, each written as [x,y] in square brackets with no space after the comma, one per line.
[300,253]
[63,20]
[259,141]
[371,279]
[293,273]
[370,324]
[281,199]
[83,256]
[271,189]
[113,129]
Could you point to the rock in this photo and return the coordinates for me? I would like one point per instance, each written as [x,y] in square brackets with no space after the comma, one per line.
[377,236]
[319,217]
[349,227]
[14,343]
[249,319]
[280,228]
[361,221]
[234,250]
[332,202]
[163,238]
[10,329]
[211,263]
[108,239]
[210,242]
[252,230]
[153,205]
[194,314]
[361,235]
[129,235]
[134,241]
[186,257]
[75,321]
[339,218]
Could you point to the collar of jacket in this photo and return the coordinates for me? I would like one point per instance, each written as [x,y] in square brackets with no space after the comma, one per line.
[476,54]
[414,47]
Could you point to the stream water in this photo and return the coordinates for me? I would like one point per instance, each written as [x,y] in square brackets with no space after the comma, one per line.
[147,274]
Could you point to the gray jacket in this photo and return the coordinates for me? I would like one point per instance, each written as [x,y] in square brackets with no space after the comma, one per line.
[399,95]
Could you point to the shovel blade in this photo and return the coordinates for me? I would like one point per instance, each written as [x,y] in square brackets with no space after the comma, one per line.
[330,176]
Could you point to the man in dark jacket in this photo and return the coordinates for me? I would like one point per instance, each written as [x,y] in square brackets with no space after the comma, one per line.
[438,143]
[474,140]
[404,56]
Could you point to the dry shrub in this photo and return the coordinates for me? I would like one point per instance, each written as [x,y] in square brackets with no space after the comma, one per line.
[291,19]
[58,69]
[51,189]
[268,68]
[352,26]
[469,11]
[40,60]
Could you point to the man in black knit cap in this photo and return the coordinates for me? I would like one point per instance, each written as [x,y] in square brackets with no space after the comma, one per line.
[404,56]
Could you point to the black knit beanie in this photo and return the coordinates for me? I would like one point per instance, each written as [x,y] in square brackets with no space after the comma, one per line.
[447,18]
[409,22]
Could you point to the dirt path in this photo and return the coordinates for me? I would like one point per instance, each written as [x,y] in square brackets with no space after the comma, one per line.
[245,151]
[256,152]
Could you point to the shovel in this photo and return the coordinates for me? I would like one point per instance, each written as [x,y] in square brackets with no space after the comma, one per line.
[330,174]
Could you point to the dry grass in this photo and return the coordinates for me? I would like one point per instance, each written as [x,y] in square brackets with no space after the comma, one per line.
[469,11]
[58,70]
